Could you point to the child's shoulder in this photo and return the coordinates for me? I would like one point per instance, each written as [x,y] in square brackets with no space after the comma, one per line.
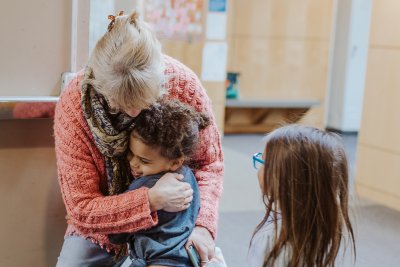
[267,231]
[188,175]
[185,170]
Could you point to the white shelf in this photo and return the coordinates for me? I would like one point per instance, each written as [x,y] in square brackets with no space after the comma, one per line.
[28,99]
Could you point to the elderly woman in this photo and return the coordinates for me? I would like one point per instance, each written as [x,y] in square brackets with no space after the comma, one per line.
[126,73]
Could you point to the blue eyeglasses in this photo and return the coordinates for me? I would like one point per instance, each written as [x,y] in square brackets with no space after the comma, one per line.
[257,160]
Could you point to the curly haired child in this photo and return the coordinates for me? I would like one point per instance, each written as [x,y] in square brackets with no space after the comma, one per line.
[163,139]
[303,175]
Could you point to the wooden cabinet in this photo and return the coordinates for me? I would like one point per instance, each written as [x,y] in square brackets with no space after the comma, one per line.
[378,155]
[281,50]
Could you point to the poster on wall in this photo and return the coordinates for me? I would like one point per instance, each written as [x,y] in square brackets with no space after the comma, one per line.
[214,62]
[216,20]
[217,5]
[176,19]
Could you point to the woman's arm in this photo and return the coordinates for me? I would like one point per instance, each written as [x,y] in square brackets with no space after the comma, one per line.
[207,163]
[82,179]
[209,171]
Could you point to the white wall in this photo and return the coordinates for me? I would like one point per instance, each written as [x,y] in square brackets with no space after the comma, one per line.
[357,63]
[349,64]
[99,11]
[35,46]
[339,61]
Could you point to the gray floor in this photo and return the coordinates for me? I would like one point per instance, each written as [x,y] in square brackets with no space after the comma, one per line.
[377,228]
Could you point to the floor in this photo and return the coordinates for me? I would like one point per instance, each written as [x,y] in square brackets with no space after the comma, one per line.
[377,228]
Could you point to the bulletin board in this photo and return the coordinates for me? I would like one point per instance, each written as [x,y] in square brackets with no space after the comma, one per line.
[181,20]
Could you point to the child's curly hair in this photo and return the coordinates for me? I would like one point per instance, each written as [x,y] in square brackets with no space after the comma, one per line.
[172,126]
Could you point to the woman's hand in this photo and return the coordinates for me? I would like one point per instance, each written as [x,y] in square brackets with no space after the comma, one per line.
[202,240]
[170,193]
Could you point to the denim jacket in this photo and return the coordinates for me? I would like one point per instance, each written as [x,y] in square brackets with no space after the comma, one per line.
[163,244]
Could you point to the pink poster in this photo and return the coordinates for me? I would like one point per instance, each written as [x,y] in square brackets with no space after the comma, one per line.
[176,19]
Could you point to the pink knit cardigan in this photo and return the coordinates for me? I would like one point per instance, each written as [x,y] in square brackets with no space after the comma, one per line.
[81,167]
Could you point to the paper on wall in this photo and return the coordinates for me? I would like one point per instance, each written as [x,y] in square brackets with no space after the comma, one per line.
[216,26]
[214,61]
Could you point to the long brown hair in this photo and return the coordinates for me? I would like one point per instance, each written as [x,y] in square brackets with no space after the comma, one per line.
[305,184]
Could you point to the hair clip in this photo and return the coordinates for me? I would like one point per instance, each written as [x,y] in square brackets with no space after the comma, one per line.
[112,18]
[134,17]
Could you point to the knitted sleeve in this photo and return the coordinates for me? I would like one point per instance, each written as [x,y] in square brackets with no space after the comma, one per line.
[82,179]
[207,163]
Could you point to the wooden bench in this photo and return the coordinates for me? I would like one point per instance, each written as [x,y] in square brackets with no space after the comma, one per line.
[261,116]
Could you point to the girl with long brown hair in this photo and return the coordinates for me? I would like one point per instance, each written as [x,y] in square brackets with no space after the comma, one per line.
[303,176]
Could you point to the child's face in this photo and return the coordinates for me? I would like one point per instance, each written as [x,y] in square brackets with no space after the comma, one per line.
[146,160]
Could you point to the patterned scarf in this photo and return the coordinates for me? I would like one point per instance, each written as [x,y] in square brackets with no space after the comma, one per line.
[111,134]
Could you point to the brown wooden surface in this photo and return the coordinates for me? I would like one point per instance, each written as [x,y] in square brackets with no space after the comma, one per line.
[378,154]
[259,120]
[281,50]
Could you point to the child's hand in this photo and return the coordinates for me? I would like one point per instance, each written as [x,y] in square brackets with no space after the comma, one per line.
[170,193]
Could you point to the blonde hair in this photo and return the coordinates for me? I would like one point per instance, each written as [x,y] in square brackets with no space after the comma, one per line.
[127,64]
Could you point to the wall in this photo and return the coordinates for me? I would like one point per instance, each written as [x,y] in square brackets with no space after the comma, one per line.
[99,11]
[30,32]
[378,156]
[191,54]
[32,213]
[281,48]
[35,42]
[346,86]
